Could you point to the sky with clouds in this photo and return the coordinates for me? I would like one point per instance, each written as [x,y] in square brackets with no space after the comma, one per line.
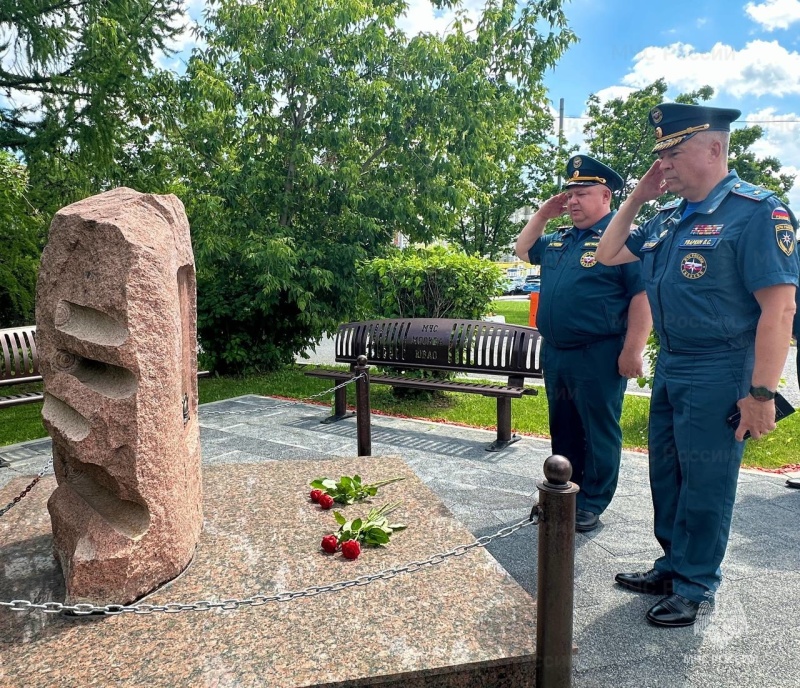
[747,51]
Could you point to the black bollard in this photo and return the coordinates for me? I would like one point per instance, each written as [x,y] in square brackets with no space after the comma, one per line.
[363,412]
[556,575]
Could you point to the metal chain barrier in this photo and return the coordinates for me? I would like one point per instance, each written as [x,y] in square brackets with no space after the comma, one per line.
[83,609]
[25,492]
[288,403]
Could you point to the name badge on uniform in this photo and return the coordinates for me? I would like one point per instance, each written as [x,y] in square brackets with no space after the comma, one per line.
[650,245]
[555,244]
[591,244]
[699,243]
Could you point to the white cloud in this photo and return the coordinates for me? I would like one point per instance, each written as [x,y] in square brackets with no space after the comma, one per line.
[774,14]
[781,140]
[422,17]
[760,68]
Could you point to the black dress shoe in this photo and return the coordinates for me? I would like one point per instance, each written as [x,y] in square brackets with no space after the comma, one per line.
[673,611]
[793,482]
[651,582]
[586,521]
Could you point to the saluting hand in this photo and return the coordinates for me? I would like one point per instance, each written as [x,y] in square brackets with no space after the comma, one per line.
[554,207]
[652,185]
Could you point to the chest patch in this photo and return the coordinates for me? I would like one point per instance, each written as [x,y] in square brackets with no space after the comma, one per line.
[706,230]
[555,244]
[693,266]
[588,260]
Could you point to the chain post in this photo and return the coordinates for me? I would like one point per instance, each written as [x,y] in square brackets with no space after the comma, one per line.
[363,411]
[556,574]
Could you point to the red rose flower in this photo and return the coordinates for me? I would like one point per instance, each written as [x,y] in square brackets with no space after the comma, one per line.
[325,501]
[330,543]
[351,549]
[315,495]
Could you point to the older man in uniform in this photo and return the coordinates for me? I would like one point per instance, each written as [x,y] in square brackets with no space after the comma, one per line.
[595,321]
[720,269]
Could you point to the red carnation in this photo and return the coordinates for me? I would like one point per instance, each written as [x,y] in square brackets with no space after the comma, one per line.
[330,543]
[351,549]
[325,501]
[315,495]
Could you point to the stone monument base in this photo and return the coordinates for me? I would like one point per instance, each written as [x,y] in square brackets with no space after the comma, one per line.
[464,623]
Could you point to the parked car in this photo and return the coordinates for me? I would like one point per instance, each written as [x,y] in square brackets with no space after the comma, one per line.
[513,285]
[532,283]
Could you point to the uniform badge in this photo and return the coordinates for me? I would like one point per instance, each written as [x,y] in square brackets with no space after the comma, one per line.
[784,235]
[576,162]
[657,116]
[588,260]
[659,132]
[663,234]
[693,266]
[708,242]
[575,173]
[780,214]
[706,230]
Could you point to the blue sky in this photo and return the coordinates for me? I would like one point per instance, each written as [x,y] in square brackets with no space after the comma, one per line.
[749,52]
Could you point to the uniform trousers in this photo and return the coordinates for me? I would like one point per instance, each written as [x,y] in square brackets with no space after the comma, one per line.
[694,462]
[584,396]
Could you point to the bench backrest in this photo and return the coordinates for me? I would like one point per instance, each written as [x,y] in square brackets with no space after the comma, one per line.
[442,344]
[19,358]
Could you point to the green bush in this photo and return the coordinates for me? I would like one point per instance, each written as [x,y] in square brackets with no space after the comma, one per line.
[435,282]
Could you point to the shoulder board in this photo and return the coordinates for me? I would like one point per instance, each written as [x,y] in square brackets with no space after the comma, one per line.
[674,203]
[751,191]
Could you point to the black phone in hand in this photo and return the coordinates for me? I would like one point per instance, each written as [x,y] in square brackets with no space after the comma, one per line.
[782,409]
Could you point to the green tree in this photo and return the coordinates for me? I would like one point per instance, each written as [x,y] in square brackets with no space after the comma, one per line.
[307,134]
[72,70]
[21,229]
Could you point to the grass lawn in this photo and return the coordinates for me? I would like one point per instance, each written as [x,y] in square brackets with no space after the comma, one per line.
[22,423]
[515,312]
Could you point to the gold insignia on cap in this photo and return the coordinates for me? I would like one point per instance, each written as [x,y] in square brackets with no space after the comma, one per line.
[576,162]
[575,173]
[657,115]
[659,132]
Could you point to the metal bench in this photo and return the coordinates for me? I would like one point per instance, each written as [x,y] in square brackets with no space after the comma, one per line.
[20,365]
[461,346]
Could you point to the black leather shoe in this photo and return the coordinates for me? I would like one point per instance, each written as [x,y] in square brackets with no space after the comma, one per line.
[586,521]
[673,611]
[651,582]
[793,482]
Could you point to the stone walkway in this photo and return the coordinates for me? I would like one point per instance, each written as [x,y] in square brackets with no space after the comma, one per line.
[752,640]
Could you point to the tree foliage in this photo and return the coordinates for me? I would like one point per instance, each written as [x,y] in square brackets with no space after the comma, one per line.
[72,70]
[429,283]
[305,135]
[21,228]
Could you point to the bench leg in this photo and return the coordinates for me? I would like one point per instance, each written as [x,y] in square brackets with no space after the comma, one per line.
[504,436]
[339,405]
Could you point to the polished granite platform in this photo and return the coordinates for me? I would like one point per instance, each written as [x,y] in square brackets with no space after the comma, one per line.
[464,623]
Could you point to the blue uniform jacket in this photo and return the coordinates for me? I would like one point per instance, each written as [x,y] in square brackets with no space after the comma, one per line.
[700,272]
[581,300]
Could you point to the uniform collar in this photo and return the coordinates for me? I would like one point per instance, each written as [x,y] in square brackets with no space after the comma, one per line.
[716,195]
[598,228]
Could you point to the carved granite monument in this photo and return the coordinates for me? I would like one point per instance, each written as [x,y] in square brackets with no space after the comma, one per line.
[116,332]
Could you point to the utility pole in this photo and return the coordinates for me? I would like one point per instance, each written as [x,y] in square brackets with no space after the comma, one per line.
[560,132]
